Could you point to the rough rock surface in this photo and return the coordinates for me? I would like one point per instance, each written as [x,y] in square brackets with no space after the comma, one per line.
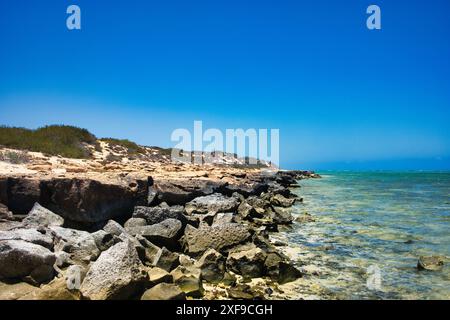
[80,244]
[21,259]
[155,215]
[42,238]
[212,266]
[212,203]
[40,216]
[247,261]
[117,274]
[165,233]
[432,263]
[218,237]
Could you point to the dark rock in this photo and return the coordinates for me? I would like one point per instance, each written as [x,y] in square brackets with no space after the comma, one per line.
[5,214]
[280,201]
[212,203]
[104,240]
[281,216]
[212,266]
[180,192]
[155,215]
[114,228]
[21,259]
[165,233]
[164,291]
[247,260]
[167,260]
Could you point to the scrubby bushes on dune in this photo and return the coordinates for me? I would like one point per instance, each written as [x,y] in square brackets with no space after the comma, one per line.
[66,141]
[132,147]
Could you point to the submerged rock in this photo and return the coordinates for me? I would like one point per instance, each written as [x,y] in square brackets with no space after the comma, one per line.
[432,263]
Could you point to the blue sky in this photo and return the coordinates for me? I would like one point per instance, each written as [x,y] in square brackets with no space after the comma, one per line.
[342,96]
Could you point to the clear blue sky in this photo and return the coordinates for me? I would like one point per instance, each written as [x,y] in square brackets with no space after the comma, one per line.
[342,96]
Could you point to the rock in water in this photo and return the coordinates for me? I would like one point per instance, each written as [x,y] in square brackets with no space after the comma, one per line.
[212,203]
[40,216]
[117,274]
[218,237]
[164,291]
[20,259]
[432,263]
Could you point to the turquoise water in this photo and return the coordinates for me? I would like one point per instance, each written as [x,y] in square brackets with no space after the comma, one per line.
[375,220]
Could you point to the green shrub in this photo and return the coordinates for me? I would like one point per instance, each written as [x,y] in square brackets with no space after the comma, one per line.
[14,157]
[66,141]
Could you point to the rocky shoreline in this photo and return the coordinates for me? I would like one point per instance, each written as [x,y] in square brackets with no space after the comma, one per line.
[146,238]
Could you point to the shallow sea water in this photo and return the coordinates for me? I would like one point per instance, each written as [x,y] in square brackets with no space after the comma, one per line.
[372,227]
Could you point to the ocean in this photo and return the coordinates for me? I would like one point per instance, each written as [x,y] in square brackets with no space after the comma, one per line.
[368,232]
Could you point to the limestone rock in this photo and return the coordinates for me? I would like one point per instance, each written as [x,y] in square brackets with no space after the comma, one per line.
[42,238]
[165,233]
[212,203]
[21,259]
[247,261]
[189,280]
[218,237]
[40,216]
[212,266]
[164,291]
[157,275]
[117,274]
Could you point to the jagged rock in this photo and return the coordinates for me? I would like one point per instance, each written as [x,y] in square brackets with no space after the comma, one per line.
[157,275]
[42,238]
[280,201]
[21,259]
[63,259]
[114,228]
[155,215]
[40,216]
[133,225]
[165,233]
[212,266]
[212,203]
[104,240]
[150,253]
[246,211]
[80,244]
[164,291]
[281,216]
[247,260]
[117,274]
[432,263]
[167,260]
[279,269]
[218,237]
[179,192]
[189,280]
[249,189]
[222,218]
